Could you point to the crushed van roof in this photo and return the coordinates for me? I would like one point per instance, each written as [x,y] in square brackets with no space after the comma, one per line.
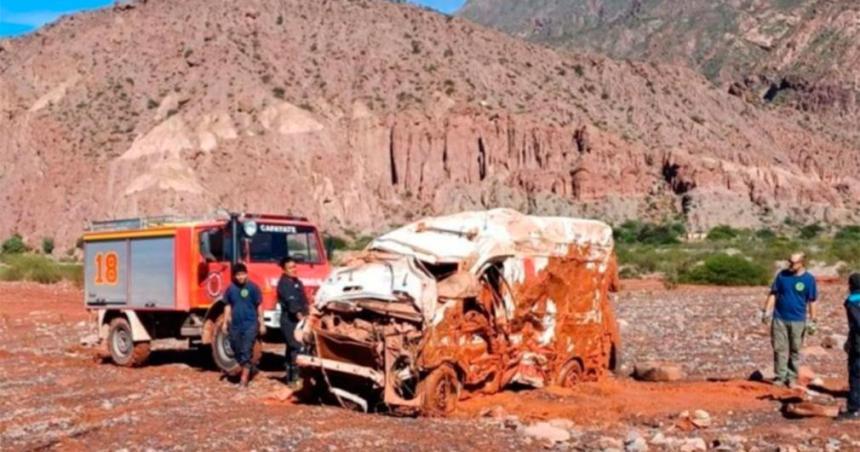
[479,237]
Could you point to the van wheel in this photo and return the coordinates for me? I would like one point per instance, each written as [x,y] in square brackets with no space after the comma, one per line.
[441,391]
[570,374]
[222,351]
[123,350]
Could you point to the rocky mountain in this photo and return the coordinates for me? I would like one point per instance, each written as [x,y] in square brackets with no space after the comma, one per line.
[362,114]
[805,53]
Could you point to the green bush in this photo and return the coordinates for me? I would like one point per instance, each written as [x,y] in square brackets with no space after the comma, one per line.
[648,233]
[765,234]
[47,245]
[14,245]
[848,233]
[73,273]
[41,269]
[723,232]
[811,231]
[361,242]
[725,270]
[336,243]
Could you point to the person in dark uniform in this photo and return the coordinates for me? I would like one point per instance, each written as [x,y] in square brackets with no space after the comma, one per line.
[242,319]
[294,307]
[852,347]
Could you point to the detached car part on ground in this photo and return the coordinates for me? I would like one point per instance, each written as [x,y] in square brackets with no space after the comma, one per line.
[462,304]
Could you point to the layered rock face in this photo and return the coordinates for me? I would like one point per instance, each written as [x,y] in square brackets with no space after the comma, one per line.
[802,53]
[366,114]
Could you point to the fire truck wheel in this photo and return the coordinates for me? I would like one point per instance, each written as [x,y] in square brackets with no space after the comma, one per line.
[123,350]
[222,352]
[441,391]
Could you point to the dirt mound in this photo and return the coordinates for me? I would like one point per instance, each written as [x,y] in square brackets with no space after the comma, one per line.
[362,114]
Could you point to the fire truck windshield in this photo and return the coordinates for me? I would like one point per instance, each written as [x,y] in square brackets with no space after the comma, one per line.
[275,241]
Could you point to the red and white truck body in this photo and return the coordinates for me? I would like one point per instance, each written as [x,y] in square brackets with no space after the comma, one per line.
[165,277]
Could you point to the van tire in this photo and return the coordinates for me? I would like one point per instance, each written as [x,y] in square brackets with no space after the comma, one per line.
[570,374]
[440,391]
[121,346]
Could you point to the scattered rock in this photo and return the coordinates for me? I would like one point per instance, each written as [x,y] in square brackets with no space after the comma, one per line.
[811,409]
[693,444]
[659,439]
[701,419]
[653,371]
[566,424]
[512,423]
[805,375]
[544,431]
[90,340]
[495,412]
[107,405]
[635,442]
[834,341]
[608,443]
[729,442]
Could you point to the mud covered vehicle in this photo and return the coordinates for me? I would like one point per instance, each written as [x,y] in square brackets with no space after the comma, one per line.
[468,303]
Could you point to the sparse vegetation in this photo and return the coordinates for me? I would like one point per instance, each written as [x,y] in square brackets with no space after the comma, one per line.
[726,270]
[723,233]
[635,232]
[40,269]
[811,231]
[645,249]
[15,245]
[47,245]
[279,92]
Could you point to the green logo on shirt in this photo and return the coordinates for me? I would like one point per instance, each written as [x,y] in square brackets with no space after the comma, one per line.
[799,286]
[244,292]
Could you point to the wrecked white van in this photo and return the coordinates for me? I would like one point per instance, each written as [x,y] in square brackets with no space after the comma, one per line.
[462,304]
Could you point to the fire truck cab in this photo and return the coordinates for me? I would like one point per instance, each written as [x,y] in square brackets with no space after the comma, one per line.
[164,278]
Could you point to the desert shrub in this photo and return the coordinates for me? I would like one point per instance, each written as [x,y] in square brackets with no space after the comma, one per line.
[14,245]
[73,273]
[765,234]
[31,267]
[336,242]
[648,233]
[47,245]
[722,232]
[848,233]
[725,270]
[361,242]
[811,231]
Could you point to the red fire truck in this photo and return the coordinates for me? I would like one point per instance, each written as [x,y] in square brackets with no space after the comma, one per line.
[160,278]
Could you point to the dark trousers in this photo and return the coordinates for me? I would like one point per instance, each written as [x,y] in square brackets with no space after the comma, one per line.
[242,338]
[294,347]
[853,349]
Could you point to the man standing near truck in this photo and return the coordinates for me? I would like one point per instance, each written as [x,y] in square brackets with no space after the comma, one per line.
[294,307]
[792,303]
[242,315]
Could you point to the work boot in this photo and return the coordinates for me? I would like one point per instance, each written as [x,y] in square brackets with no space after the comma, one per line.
[246,376]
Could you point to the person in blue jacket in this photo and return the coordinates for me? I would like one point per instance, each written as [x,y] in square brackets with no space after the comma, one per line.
[790,311]
[242,314]
[852,347]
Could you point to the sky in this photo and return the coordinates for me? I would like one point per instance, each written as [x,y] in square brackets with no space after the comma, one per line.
[22,16]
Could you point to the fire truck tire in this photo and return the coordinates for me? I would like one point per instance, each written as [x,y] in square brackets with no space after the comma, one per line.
[441,391]
[123,350]
[222,352]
